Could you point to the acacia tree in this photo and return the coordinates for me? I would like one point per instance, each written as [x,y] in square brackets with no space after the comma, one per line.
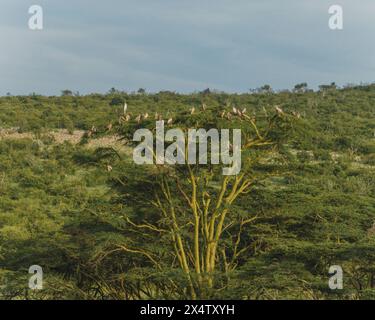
[195,205]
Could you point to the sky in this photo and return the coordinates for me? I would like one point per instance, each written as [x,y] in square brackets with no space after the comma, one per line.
[184,45]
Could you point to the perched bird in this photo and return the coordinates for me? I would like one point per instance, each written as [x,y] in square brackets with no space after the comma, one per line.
[296,114]
[170,121]
[90,132]
[125,107]
[279,110]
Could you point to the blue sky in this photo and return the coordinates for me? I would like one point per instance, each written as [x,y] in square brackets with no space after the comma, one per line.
[180,45]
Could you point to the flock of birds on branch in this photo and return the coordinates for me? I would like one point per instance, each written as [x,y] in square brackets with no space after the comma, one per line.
[126,117]
[229,115]
[242,114]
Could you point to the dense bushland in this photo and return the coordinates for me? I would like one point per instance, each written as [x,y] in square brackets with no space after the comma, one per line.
[86,215]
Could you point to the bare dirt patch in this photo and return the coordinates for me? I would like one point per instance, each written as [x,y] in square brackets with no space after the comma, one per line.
[63,135]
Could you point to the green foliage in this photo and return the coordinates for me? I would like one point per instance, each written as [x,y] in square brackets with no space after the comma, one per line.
[63,209]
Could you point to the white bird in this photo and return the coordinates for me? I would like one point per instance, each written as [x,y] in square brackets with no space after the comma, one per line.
[109,168]
[244,110]
[170,121]
[145,115]
[234,110]
[279,110]
[125,107]
[296,114]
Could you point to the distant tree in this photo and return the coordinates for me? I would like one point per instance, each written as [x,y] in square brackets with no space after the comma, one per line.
[35,96]
[326,87]
[66,93]
[113,90]
[265,89]
[141,91]
[116,101]
[300,87]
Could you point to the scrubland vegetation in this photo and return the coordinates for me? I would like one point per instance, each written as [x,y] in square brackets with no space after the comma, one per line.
[73,201]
